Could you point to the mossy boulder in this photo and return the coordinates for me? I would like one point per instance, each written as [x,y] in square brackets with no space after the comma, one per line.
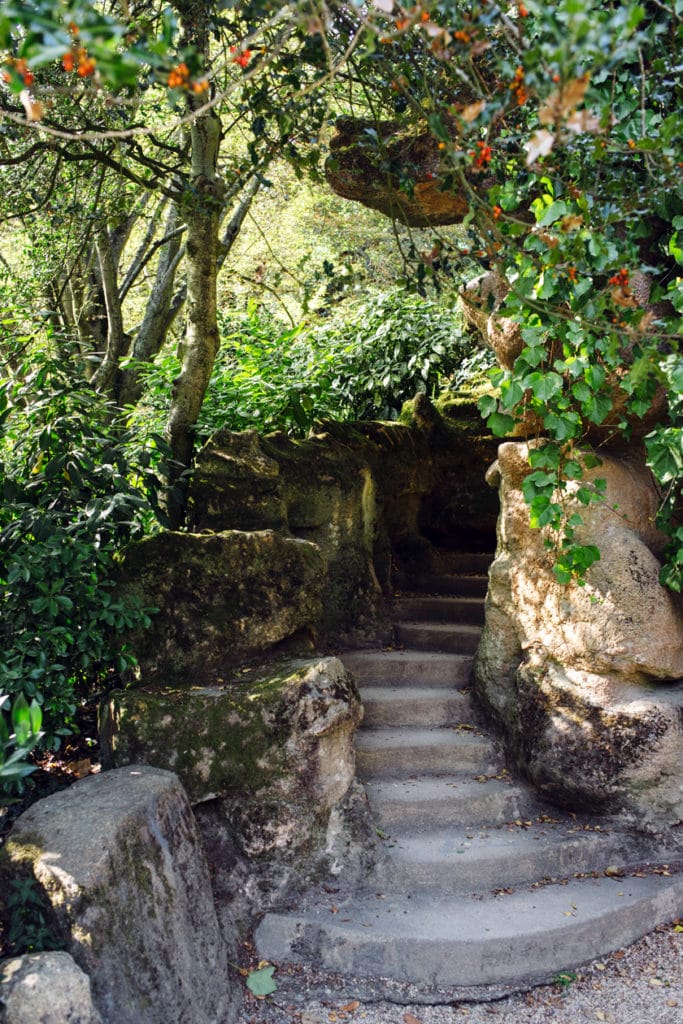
[268,762]
[318,490]
[263,735]
[222,598]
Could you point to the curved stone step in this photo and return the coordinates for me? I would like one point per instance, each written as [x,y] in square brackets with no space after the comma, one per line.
[440,608]
[409,668]
[470,859]
[460,638]
[432,802]
[406,751]
[391,706]
[468,943]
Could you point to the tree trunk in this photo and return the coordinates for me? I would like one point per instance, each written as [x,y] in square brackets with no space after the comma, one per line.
[159,312]
[104,378]
[202,214]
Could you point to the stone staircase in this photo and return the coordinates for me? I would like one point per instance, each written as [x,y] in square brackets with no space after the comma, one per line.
[482,889]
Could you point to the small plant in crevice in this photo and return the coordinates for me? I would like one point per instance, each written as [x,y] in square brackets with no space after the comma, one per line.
[18,737]
[29,925]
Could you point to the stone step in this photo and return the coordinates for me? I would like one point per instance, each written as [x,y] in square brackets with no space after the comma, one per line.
[460,563]
[432,802]
[459,586]
[441,636]
[405,751]
[440,609]
[409,705]
[409,668]
[474,859]
[470,943]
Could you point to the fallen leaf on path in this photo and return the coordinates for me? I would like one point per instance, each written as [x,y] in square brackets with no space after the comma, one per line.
[350,1007]
[409,1018]
[260,982]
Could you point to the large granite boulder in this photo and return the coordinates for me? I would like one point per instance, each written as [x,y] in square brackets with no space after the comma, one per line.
[120,861]
[45,988]
[221,598]
[586,682]
[269,764]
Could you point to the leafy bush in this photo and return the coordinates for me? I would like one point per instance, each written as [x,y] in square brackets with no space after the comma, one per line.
[74,490]
[362,366]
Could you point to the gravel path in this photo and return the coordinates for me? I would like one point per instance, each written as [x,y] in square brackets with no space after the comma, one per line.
[642,984]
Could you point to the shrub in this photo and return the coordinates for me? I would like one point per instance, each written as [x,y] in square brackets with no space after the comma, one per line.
[363,365]
[75,490]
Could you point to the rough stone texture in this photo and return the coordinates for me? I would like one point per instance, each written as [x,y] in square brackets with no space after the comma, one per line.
[269,761]
[586,681]
[480,300]
[315,490]
[119,858]
[221,598]
[45,988]
[356,169]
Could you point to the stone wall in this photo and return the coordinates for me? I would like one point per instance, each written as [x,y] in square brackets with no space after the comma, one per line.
[585,682]
[294,545]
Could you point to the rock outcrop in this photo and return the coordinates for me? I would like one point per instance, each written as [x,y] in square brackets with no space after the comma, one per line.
[120,861]
[372,162]
[295,543]
[585,682]
[220,599]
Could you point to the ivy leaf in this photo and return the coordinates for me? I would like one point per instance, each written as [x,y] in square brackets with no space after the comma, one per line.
[261,982]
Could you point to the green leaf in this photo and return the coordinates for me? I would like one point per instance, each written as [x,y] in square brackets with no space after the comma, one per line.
[500,424]
[261,982]
[552,213]
[487,405]
[21,719]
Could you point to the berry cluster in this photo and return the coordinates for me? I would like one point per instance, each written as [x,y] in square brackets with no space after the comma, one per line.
[620,279]
[20,68]
[481,156]
[518,88]
[242,58]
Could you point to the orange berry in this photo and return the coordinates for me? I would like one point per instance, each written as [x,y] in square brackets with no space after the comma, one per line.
[68,61]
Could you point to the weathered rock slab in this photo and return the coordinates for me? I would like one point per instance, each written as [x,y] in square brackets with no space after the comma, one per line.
[45,988]
[119,858]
